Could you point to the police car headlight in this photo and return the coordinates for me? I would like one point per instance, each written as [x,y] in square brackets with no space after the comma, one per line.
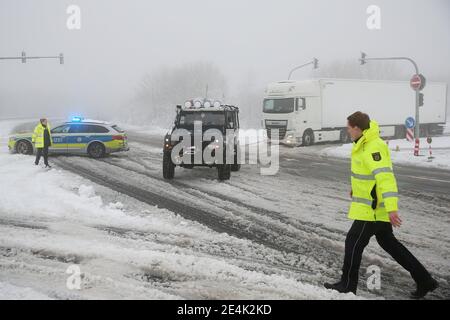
[207,104]
[217,104]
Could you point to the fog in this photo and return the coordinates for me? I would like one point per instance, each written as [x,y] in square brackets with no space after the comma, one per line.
[123,47]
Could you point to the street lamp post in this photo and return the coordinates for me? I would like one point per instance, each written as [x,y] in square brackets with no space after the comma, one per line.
[314,62]
[24,57]
[363,60]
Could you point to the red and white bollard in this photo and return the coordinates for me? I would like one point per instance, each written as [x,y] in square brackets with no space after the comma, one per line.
[409,134]
[416,147]
[430,156]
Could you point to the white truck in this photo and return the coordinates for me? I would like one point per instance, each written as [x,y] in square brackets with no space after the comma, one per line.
[310,111]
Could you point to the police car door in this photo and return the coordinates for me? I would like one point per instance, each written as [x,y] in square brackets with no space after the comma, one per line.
[59,136]
[76,139]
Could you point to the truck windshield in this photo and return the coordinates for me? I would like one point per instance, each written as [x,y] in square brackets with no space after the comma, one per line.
[214,119]
[279,105]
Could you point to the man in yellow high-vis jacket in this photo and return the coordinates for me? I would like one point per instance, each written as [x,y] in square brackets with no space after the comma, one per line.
[42,140]
[374,208]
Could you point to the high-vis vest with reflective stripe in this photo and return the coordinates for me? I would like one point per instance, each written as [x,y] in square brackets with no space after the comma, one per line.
[38,135]
[372,166]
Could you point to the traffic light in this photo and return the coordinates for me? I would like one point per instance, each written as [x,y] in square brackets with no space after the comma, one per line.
[363,58]
[316,63]
[24,58]
[61,58]
[420,99]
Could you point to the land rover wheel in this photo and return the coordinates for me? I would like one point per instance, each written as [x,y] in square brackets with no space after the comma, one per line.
[224,171]
[168,166]
[236,166]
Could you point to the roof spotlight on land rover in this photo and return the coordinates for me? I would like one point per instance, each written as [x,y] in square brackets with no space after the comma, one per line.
[205,133]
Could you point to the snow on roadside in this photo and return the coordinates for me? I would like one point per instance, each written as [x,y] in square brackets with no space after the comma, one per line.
[52,219]
[402,151]
[11,292]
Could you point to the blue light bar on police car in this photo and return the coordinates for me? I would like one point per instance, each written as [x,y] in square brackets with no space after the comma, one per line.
[77,119]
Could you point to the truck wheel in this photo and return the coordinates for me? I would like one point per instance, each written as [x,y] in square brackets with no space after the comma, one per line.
[344,137]
[24,147]
[96,150]
[168,166]
[224,171]
[308,138]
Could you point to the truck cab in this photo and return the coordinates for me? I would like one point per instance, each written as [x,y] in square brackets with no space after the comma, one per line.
[292,108]
[310,111]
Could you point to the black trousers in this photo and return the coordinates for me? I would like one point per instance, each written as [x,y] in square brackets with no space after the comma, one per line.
[357,239]
[42,152]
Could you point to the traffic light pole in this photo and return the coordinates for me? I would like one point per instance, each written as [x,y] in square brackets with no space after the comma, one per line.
[24,58]
[363,60]
[314,62]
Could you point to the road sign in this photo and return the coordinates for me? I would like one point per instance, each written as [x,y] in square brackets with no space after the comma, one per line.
[409,134]
[410,122]
[417,82]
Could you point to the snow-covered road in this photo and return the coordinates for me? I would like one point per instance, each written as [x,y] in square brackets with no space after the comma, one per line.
[135,235]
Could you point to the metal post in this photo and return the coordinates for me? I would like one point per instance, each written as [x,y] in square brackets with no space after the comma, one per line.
[24,58]
[314,62]
[363,59]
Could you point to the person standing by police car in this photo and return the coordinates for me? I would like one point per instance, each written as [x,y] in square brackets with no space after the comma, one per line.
[42,140]
[374,208]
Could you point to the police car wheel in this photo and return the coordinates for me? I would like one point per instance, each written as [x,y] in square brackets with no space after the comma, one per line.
[96,150]
[24,147]
[168,166]
[224,171]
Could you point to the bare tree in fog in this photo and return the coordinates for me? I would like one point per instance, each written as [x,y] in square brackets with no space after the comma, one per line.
[161,90]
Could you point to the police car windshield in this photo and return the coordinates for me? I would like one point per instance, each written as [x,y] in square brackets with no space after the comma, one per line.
[279,105]
[213,119]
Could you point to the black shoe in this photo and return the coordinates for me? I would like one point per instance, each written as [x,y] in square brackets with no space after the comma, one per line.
[339,286]
[48,166]
[423,289]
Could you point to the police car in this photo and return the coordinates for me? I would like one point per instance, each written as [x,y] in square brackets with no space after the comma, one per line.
[79,136]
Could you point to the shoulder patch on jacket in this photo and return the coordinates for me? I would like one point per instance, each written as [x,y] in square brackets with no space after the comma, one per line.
[376,156]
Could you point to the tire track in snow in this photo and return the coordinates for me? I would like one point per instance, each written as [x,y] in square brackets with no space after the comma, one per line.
[220,224]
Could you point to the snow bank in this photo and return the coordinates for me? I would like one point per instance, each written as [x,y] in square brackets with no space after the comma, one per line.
[402,152]
[51,219]
[11,292]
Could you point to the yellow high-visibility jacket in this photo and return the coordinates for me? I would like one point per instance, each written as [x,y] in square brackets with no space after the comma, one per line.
[372,166]
[38,135]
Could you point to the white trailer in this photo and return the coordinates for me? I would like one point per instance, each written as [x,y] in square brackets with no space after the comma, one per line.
[309,111]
